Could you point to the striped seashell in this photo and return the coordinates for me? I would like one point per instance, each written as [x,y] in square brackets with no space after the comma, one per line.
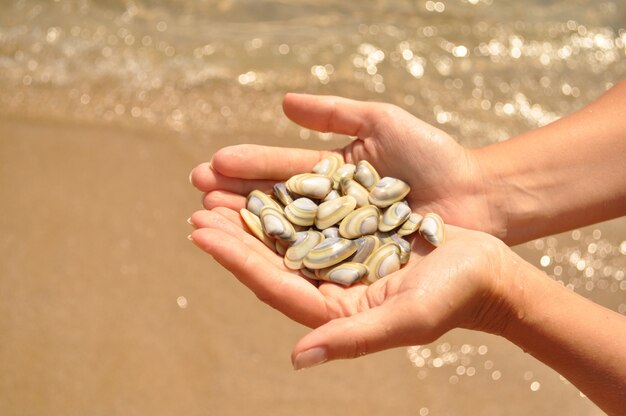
[331,232]
[310,185]
[301,211]
[282,193]
[329,165]
[305,241]
[281,246]
[366,175]
[384,237]
[387,191]
[393,216]
[411,224]
[276,225]
[257,200]
[346,171]
[432,229]
[253,223]
[360,222]
[308,273]
[355,190]
[404,246]
[346,273]
[328,252]
[331,212]
[385,260]
[365,246]
[331,195]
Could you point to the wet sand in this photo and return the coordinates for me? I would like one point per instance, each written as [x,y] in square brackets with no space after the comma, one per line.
[106,308]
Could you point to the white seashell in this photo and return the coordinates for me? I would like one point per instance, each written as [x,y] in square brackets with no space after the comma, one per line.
[393,216]
[329,165]
[256,228]
[365,246]
[257,200]
[301,211]
[387,191]
[433,229]
[328,252]
[331,212]
[308,273]
[310,185]
[366,175]
[355,190]
[344,172]
[345,274]
[305,241]
[360,222]
[382,262]
[404,246]
[281,246]
[276,225]
[411,224]
[331,232]
[282,193]
[331,195]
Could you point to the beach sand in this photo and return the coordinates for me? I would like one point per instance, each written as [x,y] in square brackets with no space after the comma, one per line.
[106,308]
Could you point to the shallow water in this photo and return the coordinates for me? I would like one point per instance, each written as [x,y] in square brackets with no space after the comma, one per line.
[209,73]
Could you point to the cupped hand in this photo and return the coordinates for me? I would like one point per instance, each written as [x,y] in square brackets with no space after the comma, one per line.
[458,284]
[444,177]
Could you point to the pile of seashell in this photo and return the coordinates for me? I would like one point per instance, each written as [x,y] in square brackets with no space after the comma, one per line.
[342,223]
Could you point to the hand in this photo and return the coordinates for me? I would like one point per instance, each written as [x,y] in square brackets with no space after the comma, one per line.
[456,285]
[444,177]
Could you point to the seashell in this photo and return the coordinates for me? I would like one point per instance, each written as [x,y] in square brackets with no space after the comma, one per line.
[276,225]
[432,229]
[366,175]
[301,211]
[253,223]
[354,189]
[393,216]
[346,171]
[281,246]
[331,212]
[384,237]
[345,274]
[364,247]
[282,193]
[329,165]
[411,224]
[257,200]
[305,241]
[331,232]
[333,194]
[387,191]
[308,273]
[385,260]
[360,222]
[328,252]
[404,246]
[310,185]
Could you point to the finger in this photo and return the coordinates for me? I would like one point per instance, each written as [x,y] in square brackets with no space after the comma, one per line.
[290,294]
[250,161]
[226,199]
[207,179]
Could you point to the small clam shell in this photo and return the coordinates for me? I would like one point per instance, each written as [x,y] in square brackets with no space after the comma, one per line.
[346,171]
[411,224]
[354,189]
[328,252]
[276,225]
[253,223]
[328,165]
[331,232]
[308,273]
[310,185]
[360,222]
[257,200]
[331,212]
[387,191]
[282,193]
[365,246]
[301,211]
[366,175]
[331,195]
[385,260]
[393,216]
[281,246]
[432,229]
[305,241]
[345,274]
[404,246]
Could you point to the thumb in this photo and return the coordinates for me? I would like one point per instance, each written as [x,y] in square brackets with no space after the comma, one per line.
[373,330]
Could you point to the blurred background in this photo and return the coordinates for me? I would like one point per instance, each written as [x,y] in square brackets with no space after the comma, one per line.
[105,106]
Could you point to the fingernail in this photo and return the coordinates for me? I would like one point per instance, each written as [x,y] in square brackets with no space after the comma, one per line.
[310,358]
[189,237]
[190,222]
[190,174]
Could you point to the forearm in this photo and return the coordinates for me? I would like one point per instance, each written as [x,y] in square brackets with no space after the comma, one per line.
[581,340]
[564,175]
